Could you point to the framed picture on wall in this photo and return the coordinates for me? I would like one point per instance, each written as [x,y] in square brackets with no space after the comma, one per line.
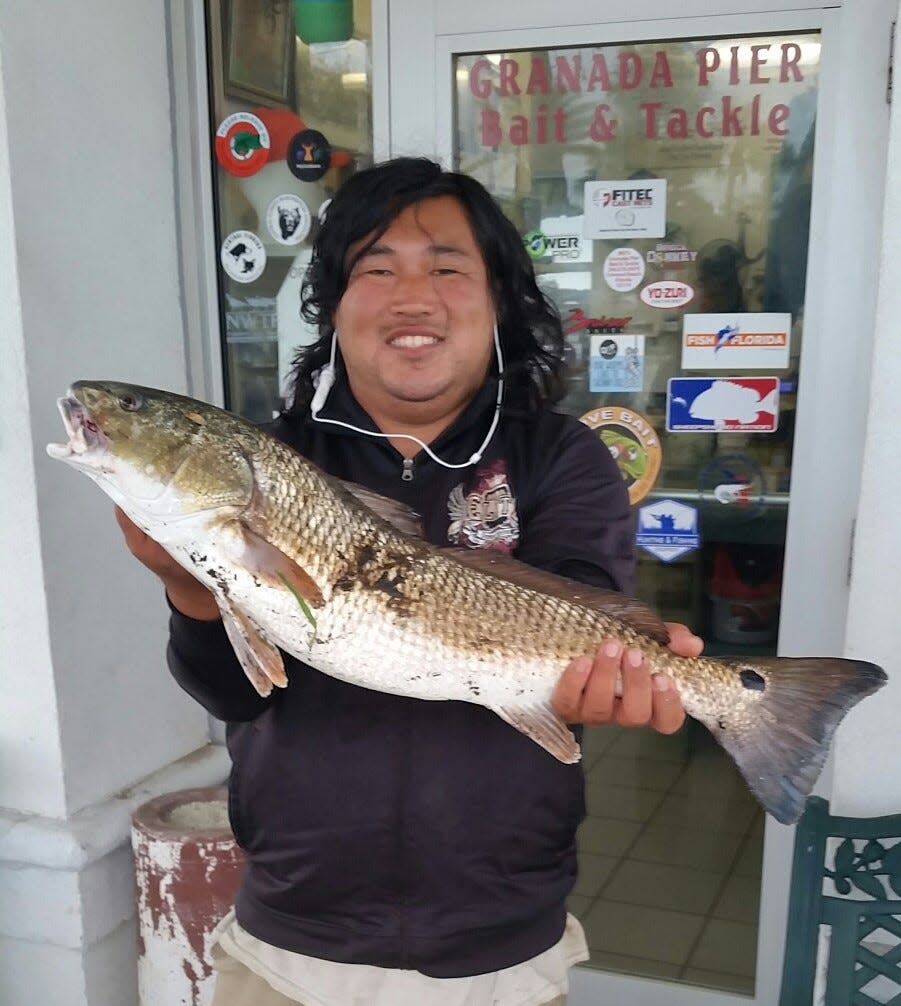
[259,50]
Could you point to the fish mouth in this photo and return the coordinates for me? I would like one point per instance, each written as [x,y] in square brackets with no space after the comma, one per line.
[86,440]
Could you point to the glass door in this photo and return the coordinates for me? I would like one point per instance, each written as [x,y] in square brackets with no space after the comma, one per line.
[663,191]
[661,174]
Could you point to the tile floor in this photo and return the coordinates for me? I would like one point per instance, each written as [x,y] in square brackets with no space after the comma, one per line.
[670,857]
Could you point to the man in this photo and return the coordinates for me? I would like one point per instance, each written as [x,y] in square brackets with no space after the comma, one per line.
[401,851]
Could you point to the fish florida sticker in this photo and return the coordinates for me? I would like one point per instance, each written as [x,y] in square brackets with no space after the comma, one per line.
[735,341]
[721,404]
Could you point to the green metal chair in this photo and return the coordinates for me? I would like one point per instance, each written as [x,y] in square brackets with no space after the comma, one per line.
[846,876]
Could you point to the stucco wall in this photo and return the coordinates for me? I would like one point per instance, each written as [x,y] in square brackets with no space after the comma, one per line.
[868,747]
[86,706]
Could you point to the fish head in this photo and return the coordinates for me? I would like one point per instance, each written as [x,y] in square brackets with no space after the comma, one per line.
[158,455]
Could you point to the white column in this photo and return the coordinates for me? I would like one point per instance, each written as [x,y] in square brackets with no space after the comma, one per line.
[91,725]
[868,745]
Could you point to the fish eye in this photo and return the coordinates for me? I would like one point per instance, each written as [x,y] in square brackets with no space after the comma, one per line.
[130,402]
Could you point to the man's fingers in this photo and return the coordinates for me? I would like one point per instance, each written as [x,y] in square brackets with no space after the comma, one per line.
[600,689]
[683,641]
[668,715]
[635,709]
[567,697]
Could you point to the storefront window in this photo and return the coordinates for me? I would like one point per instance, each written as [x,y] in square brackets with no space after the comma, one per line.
[291,119]
[663,192]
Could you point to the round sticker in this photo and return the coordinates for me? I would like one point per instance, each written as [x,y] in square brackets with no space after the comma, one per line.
[536,244]
[243,256]
[242,144]
[309,155]
[288,219]
[623,269]
[667,293]
[634,444]
[731,486]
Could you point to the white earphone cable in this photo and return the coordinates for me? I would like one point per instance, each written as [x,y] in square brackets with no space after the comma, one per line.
[327,379]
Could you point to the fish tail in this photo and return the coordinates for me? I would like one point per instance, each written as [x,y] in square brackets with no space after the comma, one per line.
[781,742]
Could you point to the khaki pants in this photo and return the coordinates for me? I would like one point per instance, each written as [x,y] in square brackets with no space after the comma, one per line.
[239,986]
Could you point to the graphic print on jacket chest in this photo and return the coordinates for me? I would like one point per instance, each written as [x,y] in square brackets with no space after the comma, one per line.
[484,517]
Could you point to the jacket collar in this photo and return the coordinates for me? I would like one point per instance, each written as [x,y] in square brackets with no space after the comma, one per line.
[456,439]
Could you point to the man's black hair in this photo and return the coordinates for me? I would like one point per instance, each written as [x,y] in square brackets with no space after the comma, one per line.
[529,327]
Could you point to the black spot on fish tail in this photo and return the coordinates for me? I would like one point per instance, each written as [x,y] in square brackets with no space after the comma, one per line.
[779,736]
[752,680]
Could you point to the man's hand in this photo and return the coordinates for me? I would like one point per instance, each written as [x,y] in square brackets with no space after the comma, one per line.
[586,691]
[186,593]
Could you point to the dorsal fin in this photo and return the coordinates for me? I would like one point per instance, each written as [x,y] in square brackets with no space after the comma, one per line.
[399,515]
[609,602]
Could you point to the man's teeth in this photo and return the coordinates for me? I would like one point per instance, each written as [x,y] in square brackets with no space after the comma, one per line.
[414,341]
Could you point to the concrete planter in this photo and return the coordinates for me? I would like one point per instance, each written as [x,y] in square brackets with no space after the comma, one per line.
[188,866]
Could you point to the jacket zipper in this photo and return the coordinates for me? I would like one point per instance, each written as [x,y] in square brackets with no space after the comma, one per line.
[407,474]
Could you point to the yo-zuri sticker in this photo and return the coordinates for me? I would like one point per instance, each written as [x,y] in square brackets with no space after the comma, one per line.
[242,144]
[288,219]
[243,256]
[667,294]
[309,155]
[667,529]
[634,444]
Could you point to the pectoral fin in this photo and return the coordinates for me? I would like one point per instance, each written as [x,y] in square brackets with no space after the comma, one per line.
[269,563]
[545,727]
[261,661]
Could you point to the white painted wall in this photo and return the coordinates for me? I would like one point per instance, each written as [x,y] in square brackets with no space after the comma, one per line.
[86,95]
[90,286]
[868,746]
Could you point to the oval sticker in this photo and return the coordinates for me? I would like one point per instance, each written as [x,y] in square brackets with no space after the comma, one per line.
[667,293]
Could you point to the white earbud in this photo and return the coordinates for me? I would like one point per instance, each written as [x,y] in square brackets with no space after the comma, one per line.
[326,378]
[323,386]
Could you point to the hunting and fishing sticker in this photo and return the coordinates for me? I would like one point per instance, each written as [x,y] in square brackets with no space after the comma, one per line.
[667,529]
[616,363]
[288,219]
[634,444]
[623,269]
[625,209]
[721,404]
[735,341]
[242,144]
[243,256]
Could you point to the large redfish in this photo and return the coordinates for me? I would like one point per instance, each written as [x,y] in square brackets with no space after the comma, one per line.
[340,578]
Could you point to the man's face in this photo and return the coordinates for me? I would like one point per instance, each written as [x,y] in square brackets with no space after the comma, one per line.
[415,322]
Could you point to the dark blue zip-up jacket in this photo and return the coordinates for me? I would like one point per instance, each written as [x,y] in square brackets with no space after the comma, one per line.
[392,831]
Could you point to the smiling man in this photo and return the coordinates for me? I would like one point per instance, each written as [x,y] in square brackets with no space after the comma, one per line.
[403,852]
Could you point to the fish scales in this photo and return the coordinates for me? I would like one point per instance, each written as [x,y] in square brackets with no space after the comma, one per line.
[338,577]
